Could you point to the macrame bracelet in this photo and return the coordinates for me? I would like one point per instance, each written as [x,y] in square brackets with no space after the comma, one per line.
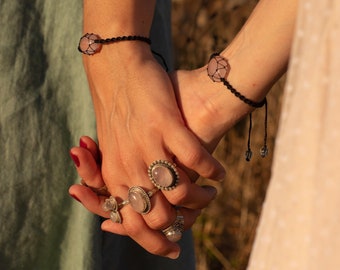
[91,43]
[218,69]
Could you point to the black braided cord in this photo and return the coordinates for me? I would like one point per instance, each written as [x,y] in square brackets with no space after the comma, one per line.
[131,38]
[242,97]
[122,38]
[264,149]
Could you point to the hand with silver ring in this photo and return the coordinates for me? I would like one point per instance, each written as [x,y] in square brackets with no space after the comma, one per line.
[186,194]
[138,121]
[120,209]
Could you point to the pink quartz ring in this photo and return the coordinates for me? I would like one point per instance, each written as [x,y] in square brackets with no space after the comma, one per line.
[163,174]
[139,199]
[88,44]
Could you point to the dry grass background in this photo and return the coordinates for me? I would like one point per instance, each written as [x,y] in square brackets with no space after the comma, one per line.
[225,231]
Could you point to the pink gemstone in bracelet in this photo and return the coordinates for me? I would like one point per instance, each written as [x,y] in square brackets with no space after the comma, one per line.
[88,44]
[218,68]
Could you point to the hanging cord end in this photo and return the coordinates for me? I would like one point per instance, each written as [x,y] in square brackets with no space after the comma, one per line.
[249,153]
[264,150]
[218,69]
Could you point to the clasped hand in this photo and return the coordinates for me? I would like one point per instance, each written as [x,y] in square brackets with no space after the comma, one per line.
[143,116]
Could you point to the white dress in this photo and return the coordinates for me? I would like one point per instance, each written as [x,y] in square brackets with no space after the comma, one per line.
[300,223]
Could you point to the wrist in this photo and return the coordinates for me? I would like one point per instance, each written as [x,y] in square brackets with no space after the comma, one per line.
[252,76]
[206,103]
[218,70]
[114,68]
[222,107]
[115,17]
[208,109]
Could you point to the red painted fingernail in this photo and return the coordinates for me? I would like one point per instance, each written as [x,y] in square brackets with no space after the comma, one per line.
[75,197]
[82,143]
[75,159]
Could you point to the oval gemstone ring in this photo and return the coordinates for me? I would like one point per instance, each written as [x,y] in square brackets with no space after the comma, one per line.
[139,199]
[163,174]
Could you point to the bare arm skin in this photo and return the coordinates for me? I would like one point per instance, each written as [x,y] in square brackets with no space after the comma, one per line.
[138,121]
[128,102]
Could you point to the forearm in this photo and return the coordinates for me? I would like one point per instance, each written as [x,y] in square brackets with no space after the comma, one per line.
[111,70]
[116,18]
[135,105]
[135,108]
[258,56]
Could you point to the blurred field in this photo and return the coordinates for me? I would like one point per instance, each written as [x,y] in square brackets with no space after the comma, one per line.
[225,231]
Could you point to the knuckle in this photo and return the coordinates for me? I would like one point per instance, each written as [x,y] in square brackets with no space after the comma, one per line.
[132,230]
[192,157]
[178,196]
[158,221]
[210,171]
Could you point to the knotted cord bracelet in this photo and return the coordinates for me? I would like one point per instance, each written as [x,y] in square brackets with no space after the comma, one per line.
[90,44]
[218,69]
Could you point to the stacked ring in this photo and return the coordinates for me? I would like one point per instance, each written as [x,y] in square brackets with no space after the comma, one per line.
[112,205]
[163,174]
[102,191]
[175,231]
[140,199]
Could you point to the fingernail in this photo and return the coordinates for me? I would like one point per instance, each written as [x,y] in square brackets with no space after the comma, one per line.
[173,255]
[75,197]
[221,176]
[212,190]
[75,159]
[82,143]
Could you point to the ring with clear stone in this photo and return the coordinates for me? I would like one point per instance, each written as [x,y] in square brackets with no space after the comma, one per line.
[163,174]
[111,205]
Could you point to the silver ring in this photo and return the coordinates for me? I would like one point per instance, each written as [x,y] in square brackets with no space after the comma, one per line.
[111,205]
[102,191]
[175,231]
[163,174]
[139,199]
